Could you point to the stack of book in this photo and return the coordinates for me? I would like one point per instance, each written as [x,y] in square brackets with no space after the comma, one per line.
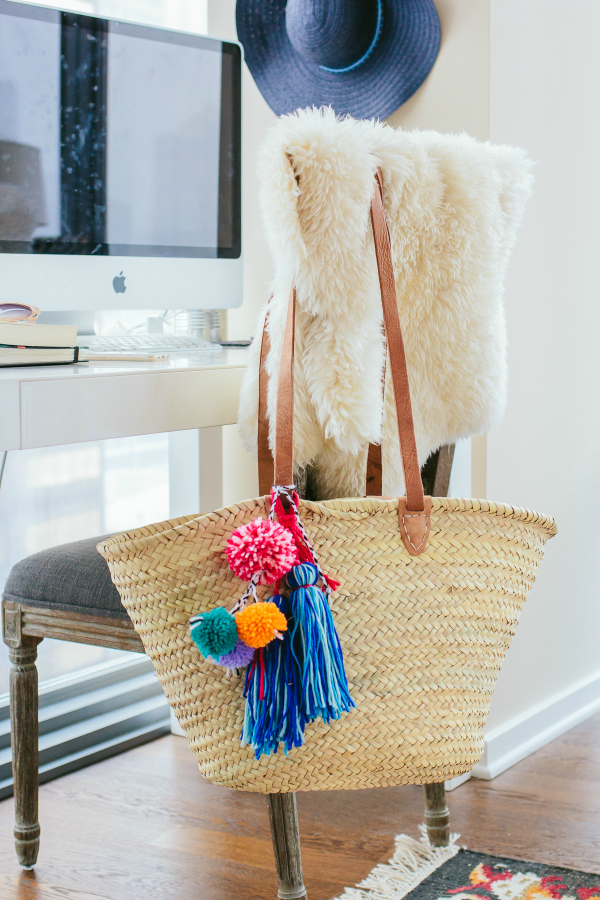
[37,345]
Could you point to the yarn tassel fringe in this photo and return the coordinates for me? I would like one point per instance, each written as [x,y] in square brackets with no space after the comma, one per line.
[318,655]
[272,691]
[298,679]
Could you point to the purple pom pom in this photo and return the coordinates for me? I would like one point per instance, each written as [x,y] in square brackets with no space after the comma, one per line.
[238,658]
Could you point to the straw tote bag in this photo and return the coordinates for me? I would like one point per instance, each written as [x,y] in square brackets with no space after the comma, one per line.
[431,592]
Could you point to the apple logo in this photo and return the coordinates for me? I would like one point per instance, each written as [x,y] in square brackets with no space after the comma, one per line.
[119,283]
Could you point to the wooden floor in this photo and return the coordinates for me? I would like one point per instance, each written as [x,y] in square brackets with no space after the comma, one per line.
[145,826]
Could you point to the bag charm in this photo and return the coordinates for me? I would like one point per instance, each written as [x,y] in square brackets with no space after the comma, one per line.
[294,681]
[295,667]
[261,552]
[317,646]
[214,633]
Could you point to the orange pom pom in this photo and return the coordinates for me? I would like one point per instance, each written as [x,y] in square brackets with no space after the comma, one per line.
[260,623]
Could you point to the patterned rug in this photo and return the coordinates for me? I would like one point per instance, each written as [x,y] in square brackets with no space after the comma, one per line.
[418,871]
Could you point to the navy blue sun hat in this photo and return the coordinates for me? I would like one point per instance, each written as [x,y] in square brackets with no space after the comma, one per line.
[362,57]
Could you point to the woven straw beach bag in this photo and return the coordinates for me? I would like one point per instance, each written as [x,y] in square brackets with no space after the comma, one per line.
[431,592]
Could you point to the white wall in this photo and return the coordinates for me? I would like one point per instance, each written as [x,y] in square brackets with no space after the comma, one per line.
[545,97]
[256,118]
[455,95]
[521,73]
[240,475]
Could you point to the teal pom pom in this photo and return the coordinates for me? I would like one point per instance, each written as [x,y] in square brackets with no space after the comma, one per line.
[215,633]
[302,575]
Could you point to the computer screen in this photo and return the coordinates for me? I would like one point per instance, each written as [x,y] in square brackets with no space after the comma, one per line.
[122,141]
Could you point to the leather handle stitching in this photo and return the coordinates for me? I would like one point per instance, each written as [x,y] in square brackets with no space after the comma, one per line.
[415,516]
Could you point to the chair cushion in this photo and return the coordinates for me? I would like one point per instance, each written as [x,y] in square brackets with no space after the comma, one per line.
[71,577]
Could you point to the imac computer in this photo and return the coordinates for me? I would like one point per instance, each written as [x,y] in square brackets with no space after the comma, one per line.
[119,164]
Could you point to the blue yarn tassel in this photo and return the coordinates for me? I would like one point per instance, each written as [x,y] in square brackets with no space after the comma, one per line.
[317,648]
[296,680]
[272,691]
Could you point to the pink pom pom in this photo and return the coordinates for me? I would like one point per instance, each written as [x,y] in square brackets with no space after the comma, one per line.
[263,547]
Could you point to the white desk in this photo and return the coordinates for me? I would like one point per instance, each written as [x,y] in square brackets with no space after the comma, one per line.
[45,406]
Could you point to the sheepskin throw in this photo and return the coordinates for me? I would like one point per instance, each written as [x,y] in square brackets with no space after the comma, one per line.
[453,207]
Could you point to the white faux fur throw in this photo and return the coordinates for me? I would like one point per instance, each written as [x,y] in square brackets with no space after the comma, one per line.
[453,207]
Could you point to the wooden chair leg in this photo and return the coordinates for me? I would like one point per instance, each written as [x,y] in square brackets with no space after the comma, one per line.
[436,480]
[283,817]
[437,815]
[24,741]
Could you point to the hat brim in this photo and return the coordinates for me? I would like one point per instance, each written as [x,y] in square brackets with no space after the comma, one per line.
[398,65]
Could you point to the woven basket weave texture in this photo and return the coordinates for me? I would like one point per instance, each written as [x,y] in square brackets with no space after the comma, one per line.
[423,637]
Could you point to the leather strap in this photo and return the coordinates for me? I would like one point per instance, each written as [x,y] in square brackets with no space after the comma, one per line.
[266,468]
[265,457]
[284,421]
[374,486]
[397,356]
[283,472]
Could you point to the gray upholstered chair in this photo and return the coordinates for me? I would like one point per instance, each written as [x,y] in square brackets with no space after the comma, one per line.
[66,593]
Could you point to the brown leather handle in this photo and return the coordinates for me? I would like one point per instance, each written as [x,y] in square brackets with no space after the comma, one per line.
[398,371]
[283,473]
[266,469]
[284,419]
[266,473]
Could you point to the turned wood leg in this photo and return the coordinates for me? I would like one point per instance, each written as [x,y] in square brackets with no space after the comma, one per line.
[283,818]
[24,742]
[437,815]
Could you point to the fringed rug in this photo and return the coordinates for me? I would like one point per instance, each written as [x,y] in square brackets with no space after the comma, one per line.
[419,871]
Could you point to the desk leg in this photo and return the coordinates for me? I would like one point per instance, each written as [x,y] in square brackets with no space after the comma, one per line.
[195,471]
[210,441]
[195,481]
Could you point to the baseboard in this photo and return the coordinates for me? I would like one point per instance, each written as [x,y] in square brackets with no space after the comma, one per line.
[456,782]
[175,726]
[525,734]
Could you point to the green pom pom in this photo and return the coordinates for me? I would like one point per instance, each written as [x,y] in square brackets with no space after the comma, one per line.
[216,633]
